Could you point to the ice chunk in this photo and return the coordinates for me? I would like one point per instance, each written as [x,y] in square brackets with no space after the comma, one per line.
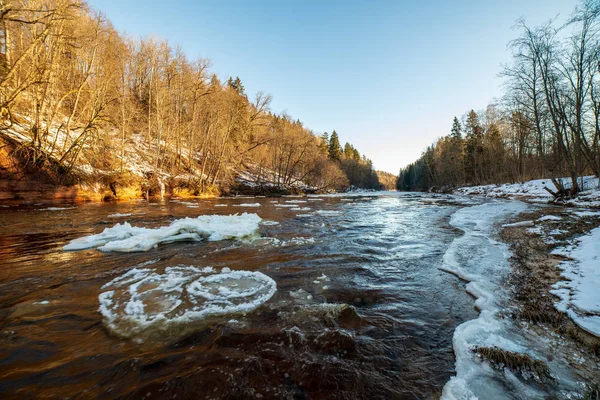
[269,223]
[144,301]
[117,215]
[127,238]
[549,218]
[247,205]
[305,215]
[300,209]
[518,224]
[328,213]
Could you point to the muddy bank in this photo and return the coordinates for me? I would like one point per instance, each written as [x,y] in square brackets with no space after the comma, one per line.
[535,270]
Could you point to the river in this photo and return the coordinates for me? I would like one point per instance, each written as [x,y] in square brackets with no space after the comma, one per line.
[357,301]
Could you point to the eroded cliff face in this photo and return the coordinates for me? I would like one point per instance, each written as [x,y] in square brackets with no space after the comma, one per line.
[23,181]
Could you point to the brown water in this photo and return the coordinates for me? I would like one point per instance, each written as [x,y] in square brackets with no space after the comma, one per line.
[386,331]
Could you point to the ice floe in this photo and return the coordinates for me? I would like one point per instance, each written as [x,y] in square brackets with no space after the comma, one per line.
[328,212]
[118,215]
[145,302]
[247,205]
[268,222]
[127,238]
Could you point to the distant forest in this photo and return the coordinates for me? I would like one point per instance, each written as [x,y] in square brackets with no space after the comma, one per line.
[82,94]
[546,125]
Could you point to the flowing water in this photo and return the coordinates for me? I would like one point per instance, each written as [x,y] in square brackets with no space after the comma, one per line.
[362,307]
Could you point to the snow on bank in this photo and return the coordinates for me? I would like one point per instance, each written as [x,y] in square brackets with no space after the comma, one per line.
[533,191]
[580,292]
[483,262]
[127,238]
[144,301]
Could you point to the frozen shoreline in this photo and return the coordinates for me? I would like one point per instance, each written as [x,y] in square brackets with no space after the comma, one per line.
[489,268]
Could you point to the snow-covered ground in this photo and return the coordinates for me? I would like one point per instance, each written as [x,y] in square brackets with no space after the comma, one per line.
[533,191]
[255,177]
[127,238]
[580,292]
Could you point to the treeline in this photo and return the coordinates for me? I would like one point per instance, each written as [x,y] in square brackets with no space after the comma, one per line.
[85,96]
[547,124]
[358,169]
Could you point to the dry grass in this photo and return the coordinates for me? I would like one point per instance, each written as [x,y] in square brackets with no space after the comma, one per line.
[516,361]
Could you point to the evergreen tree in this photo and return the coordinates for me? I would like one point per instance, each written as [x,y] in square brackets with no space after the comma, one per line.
[456,130]
[473,147]
[236,84]
[335,150]
[348,150]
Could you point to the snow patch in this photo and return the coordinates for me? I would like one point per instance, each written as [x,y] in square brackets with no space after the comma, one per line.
[580,293]
[534,191]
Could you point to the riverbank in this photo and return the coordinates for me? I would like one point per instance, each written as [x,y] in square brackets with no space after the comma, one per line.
[538,269]
[538,191]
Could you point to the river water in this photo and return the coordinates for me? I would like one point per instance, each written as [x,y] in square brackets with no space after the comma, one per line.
[363,308]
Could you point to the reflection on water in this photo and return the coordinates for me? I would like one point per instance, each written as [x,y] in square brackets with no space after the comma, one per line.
[360,308]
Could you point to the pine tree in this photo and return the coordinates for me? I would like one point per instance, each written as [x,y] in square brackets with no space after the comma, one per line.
[473,147]
[236,84]
[335,150]
[456,129]
[348,150]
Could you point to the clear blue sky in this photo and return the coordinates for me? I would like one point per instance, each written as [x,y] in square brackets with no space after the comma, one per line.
[388,76]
